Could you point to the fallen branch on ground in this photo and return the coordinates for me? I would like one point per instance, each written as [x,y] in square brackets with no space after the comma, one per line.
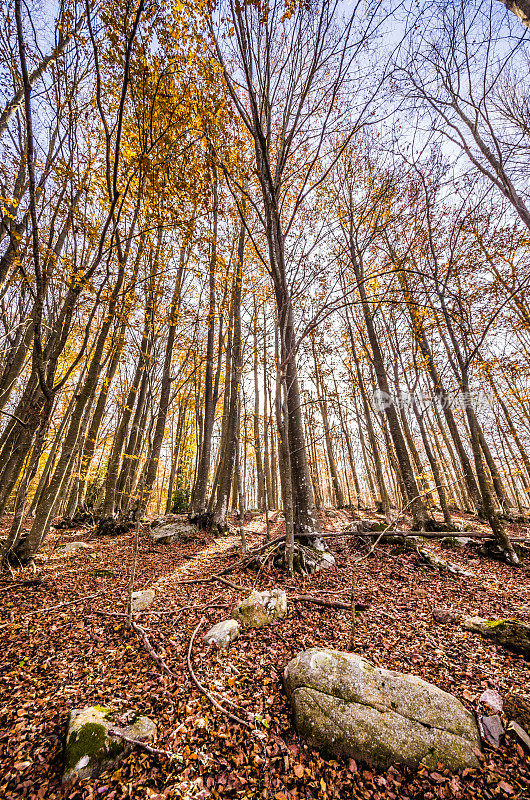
[204,691]
[217,578]
[54,608]
[306,598]
[29,582]
[155,751]
[157,658]
[431,534]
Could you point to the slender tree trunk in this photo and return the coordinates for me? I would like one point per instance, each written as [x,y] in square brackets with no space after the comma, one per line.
[439,390]
[383,494]
[337,489]
[257,438]
[232,428]
[349,447]
[153,457]
[417,506]
[285,465]
[198,503]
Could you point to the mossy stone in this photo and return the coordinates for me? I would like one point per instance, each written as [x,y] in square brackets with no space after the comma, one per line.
[261,608]
[509,633]
[93,741]
[90,741]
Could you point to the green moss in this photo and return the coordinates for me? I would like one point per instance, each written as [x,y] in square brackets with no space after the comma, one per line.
[494,623]
[379,526]
[102,709]
[90,740]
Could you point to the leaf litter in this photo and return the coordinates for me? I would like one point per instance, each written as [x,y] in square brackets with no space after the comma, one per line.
[64,644]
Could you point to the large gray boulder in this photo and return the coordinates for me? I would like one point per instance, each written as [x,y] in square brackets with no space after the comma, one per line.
[344,705]
[172,532]
[93,740]
[261,608]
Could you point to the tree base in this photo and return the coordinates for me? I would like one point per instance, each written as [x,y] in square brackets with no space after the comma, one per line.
[492,549]
[306,559]
[82,517]
[114,526]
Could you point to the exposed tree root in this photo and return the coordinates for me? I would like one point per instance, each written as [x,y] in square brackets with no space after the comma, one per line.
[114,526]
[157,658]
[204,691]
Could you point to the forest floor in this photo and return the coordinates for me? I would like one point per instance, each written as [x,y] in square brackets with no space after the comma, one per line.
[61,648]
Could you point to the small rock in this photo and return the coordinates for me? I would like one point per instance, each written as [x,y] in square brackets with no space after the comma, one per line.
[90,745]
[326,561]
[520,733]
[444,616]
[141,600]
[261,608]
[223,633]
[492,700]
[72,547]
[491,729]
[455,542]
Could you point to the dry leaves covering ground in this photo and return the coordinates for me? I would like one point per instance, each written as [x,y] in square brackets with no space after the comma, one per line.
[56,655]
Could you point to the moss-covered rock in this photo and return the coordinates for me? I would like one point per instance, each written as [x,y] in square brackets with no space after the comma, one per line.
[491,549]
[172,532]
[93,741]
[455,542]
[261,608]
[344,705]
[509,633]
[435,562]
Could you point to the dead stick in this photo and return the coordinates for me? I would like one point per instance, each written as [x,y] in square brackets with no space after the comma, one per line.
[67,603]
[204,691]
[155,751]
[217,578]
[157,658]
[429,534]
[30,582]
[305,598]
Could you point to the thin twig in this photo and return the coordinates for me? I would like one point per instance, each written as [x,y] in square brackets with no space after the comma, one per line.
[204,691]
[217,578]
[59,605]
[29,582]
[157,658]
[155,751]
[305,598]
